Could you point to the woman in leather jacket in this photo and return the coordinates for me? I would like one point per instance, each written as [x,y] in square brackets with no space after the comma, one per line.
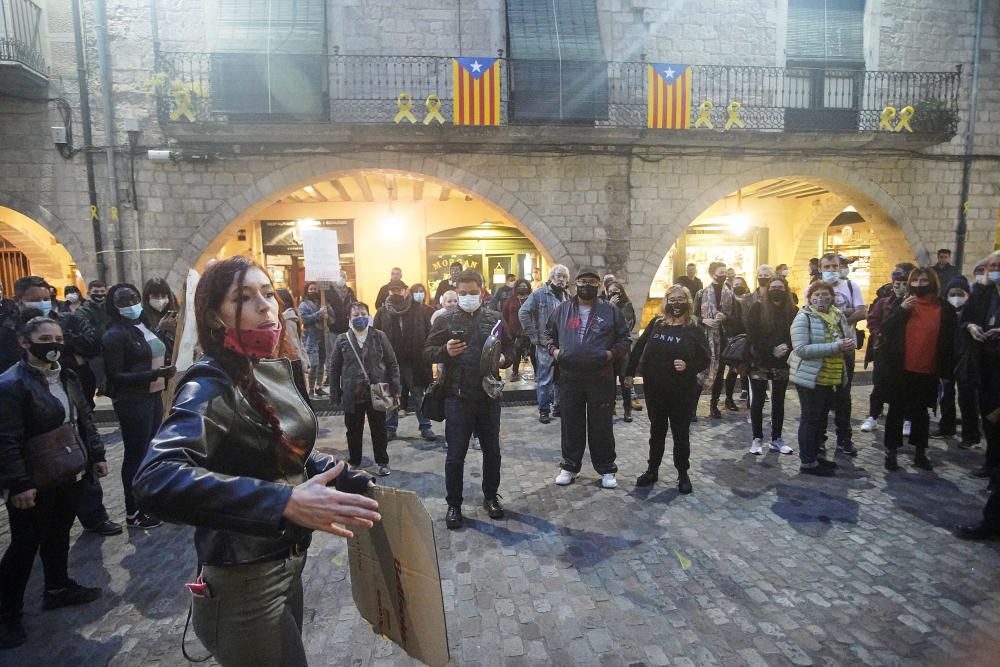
[38,396]
[235,459]
[136,371]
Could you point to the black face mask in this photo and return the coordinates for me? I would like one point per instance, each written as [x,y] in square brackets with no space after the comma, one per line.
[741,290]
[923,290]
[720,279]
[396,299]
[47,351]
[556,289]
[777,296]
[98,298]
[587,292]
[678,309]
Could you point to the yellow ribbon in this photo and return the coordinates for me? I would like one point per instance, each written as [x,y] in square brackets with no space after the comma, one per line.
[905,114]
[114,213]
[433,105]
[182,102]
[704,114]
[93,213]
[965,207]
[885,120]
[734,115]
[405,103]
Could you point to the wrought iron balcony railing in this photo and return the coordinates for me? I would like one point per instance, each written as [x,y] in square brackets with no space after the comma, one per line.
[257,87]
[20,34]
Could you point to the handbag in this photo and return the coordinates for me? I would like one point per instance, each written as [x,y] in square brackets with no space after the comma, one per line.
[55,457]
[432,404]
[736,350]
[381,398]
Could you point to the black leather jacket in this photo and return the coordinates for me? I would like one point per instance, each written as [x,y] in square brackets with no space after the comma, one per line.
[27,409]
[214,465]
[462,377]
[128,363]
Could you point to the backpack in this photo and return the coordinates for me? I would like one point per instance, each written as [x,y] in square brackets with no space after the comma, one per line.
[737,350]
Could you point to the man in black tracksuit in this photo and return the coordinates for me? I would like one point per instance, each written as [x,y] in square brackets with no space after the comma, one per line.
[587,337]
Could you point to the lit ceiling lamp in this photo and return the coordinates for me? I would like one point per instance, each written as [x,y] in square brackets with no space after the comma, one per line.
[739,223]
[849,209]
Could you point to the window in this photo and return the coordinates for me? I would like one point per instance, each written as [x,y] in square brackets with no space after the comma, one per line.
[558,71]
[269,57]
[826,32]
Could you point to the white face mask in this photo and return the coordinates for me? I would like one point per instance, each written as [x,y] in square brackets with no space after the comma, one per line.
[469,303]
[981,278]
[73,297]
[844,273]
[783,273]
[159,304]
[957,301]
[341,281]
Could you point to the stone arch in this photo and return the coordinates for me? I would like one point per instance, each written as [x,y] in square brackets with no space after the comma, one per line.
[287,179]
[80,252]
[889,219]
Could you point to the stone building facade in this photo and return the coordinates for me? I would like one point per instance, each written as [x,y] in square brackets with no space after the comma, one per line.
[618,197]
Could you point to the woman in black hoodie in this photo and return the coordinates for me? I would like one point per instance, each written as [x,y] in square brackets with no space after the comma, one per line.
[768,327]
[670,354]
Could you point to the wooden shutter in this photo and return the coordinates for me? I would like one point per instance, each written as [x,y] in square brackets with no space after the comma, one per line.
[825,32]
[558,73]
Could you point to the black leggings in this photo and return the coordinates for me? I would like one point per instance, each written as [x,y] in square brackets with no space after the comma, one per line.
[758,392]
[669,408]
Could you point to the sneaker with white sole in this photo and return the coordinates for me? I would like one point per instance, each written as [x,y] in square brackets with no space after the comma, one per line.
[757,446]
[906,428]
[778,445]
[565,478]
[869,425]
[608,481]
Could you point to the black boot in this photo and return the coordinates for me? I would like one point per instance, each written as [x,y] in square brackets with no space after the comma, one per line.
[920,459]
[684,482]
[628,413]
[891,464]
[647,478]
[12,633]
[713,410]
[454,517]
[731,405]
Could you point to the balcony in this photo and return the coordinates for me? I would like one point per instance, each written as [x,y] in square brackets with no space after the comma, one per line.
[22,67]
[203,96]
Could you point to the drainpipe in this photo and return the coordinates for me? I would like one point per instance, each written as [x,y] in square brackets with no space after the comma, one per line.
[104,61]
[962,229]
[88,157]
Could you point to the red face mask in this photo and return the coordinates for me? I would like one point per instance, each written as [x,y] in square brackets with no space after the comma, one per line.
[256,343]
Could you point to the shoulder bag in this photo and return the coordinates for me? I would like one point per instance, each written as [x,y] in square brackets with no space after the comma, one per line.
[382,399]
[57,456]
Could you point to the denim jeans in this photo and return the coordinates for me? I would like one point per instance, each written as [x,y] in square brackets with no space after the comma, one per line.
[416,396]
[816,404]
[140,420]
[463,418]
[545,387]
[968,403]
[90,505]
[842,405]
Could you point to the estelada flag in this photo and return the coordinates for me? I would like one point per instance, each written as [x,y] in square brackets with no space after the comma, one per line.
[477,91]
[669,96]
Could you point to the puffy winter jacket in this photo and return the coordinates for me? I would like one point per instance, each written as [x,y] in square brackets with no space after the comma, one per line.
[809,347]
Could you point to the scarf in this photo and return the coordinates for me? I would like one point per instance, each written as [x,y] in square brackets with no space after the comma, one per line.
[832,371]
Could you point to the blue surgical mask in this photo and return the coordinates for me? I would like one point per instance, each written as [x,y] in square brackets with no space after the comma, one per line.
[418,297]
[44,306]
[359,323]
[131,312]
[831,276]
[994,277]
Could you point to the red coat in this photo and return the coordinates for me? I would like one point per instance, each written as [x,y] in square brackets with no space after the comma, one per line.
[510,319]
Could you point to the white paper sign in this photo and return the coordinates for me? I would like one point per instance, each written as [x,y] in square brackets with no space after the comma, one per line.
[321,254]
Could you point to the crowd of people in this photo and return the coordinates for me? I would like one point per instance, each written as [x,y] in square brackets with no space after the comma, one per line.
[233,455]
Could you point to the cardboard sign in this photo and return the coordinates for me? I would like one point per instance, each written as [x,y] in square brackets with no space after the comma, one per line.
[395,577]
[321,254]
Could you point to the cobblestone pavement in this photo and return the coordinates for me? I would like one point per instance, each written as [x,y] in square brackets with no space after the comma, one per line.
[758,566]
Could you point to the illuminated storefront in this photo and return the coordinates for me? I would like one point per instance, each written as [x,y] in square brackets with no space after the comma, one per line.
[491,248]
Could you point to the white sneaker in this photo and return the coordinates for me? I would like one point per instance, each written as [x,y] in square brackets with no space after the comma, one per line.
[869,425]
[608,481]
[906,429]
[757,446]
[475,443]
[565,478]
[778,445]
